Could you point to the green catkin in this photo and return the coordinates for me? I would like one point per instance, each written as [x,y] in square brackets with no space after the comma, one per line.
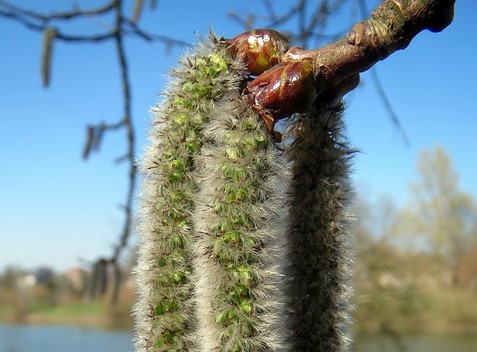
[164,312]
[319,286]
[239,245]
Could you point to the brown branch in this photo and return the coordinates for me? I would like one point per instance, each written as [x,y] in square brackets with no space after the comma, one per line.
[326,74]
[126,91]
[147,36]
[388,106]
[66,15]
[40,22]
[392,26]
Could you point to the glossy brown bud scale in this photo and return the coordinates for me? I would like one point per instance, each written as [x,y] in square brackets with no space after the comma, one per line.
[259,49]
[283,90]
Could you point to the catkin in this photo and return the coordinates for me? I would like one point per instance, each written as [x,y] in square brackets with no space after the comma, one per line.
[319,287]
[165,314]
[239,246]
[49,35]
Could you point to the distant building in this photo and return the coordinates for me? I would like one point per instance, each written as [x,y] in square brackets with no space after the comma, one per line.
[41,276]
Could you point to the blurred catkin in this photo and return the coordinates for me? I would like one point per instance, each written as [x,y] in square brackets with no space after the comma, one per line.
[319,284]
[49,35]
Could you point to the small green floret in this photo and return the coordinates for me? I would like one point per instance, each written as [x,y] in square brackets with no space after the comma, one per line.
[166,306]
[246,306]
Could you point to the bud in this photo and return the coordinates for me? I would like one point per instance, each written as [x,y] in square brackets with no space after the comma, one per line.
[281,91]
[259,49]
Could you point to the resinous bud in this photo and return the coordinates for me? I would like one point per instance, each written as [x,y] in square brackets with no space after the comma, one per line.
[259,49]
[283,90]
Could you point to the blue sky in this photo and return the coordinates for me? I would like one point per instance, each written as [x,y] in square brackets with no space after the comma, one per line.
[56,208]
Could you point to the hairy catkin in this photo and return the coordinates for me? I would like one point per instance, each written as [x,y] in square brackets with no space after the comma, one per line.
[319,287]
[164,313]
[239,246]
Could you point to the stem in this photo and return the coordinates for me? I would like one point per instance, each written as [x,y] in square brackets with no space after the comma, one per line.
[392,26]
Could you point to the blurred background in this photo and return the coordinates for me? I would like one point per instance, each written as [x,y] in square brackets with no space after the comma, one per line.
[77,80]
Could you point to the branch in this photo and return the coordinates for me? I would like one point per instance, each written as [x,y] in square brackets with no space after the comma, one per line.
[50,24]
[40,22]
[147,36]
[127,122]
[388,106]
[392,26]
[18,11]
[310,20]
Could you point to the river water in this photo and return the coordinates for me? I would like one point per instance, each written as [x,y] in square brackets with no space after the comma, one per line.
[38,338]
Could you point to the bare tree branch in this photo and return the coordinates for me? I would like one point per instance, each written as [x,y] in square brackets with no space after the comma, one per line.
[40,22]
[388,105]
[76,12]
[276,21]
[126,91]
[147,36]
[122,26]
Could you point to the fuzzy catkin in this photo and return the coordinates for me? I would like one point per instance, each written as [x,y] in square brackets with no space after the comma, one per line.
[319,287]
[164,314]
[240,238]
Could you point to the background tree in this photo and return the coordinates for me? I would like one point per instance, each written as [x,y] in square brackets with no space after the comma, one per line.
[440,213]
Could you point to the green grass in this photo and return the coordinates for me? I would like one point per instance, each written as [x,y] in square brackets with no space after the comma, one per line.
[97,313]
[72,309]
[3,310]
